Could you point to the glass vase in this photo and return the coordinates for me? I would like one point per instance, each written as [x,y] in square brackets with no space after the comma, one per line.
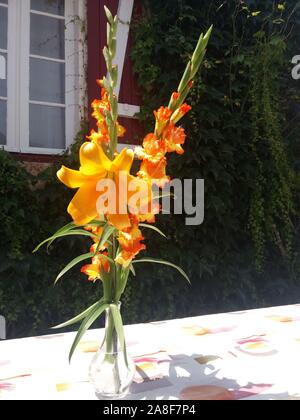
[111,371]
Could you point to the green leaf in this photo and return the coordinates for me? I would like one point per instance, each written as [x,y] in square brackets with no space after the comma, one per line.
[186,77]
[77,232]
[77,318]
[155,261]
[107,232]
[87,322]
[109,16]
[106,258]
[122,282]
[97,223]
[107,57]
[119,328]
[118,324]
[131,268]
[64,229]
[144,225]
[73,263]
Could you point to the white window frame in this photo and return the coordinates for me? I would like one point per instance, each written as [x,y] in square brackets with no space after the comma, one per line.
[18,75]
[125,10]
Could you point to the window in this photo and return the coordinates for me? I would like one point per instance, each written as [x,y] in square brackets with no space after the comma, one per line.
[41,74]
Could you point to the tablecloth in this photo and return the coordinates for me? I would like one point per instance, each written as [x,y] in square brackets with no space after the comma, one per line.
[244,355]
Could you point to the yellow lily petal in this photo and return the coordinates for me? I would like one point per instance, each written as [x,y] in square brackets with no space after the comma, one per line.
[83,205]
[119,221]
[123,161]
[105,161]
[71,178]
[90,160]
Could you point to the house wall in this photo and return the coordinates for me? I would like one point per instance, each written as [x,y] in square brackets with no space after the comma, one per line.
[129,92]
[96,69]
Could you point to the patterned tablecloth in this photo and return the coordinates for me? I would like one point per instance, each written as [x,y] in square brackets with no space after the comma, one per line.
[244,355]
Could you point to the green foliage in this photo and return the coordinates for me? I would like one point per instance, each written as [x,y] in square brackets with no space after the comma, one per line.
[31,209]
[272,203]
[249,222]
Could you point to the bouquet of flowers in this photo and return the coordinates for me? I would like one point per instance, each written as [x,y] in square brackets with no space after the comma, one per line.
[112,206]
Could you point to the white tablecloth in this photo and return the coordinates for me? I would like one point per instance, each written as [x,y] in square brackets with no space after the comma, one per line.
[245,355]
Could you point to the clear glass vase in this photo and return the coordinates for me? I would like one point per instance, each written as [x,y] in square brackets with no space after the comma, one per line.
[111,370]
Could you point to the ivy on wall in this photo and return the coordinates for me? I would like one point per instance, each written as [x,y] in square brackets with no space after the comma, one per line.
[242,139]
[272,203]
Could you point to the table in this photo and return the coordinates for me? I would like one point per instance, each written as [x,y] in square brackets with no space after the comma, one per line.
[244,355]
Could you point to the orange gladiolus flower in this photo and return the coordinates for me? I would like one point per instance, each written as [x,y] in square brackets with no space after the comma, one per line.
[97,231]
[154,169]
[100,107]
[130,241]
[99,263]
[175,96]
[121,130]
[191,84]
[162,116]
[180,113]
[100,136]
[174,137]
[153,146]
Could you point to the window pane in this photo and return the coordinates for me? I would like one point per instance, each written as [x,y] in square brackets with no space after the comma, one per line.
[3,74]
[2,122]
[47,81]
[47,127]
[56,7]
[3,28]
[47,36]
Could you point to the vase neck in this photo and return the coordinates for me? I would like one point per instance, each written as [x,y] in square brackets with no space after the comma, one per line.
[111,343]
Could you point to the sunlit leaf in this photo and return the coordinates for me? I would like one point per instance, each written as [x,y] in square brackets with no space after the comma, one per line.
[74,262]
[77,318]
[87,322]
[144,225]
[156,261]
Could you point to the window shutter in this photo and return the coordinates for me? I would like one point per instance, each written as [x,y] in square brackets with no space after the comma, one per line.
[129,99]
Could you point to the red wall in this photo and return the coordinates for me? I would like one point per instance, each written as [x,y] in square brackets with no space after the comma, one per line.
[129,92]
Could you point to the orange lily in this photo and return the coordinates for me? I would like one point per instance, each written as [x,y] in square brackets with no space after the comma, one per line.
[96,166]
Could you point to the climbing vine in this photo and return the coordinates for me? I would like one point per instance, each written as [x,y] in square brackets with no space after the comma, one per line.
[272,201]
